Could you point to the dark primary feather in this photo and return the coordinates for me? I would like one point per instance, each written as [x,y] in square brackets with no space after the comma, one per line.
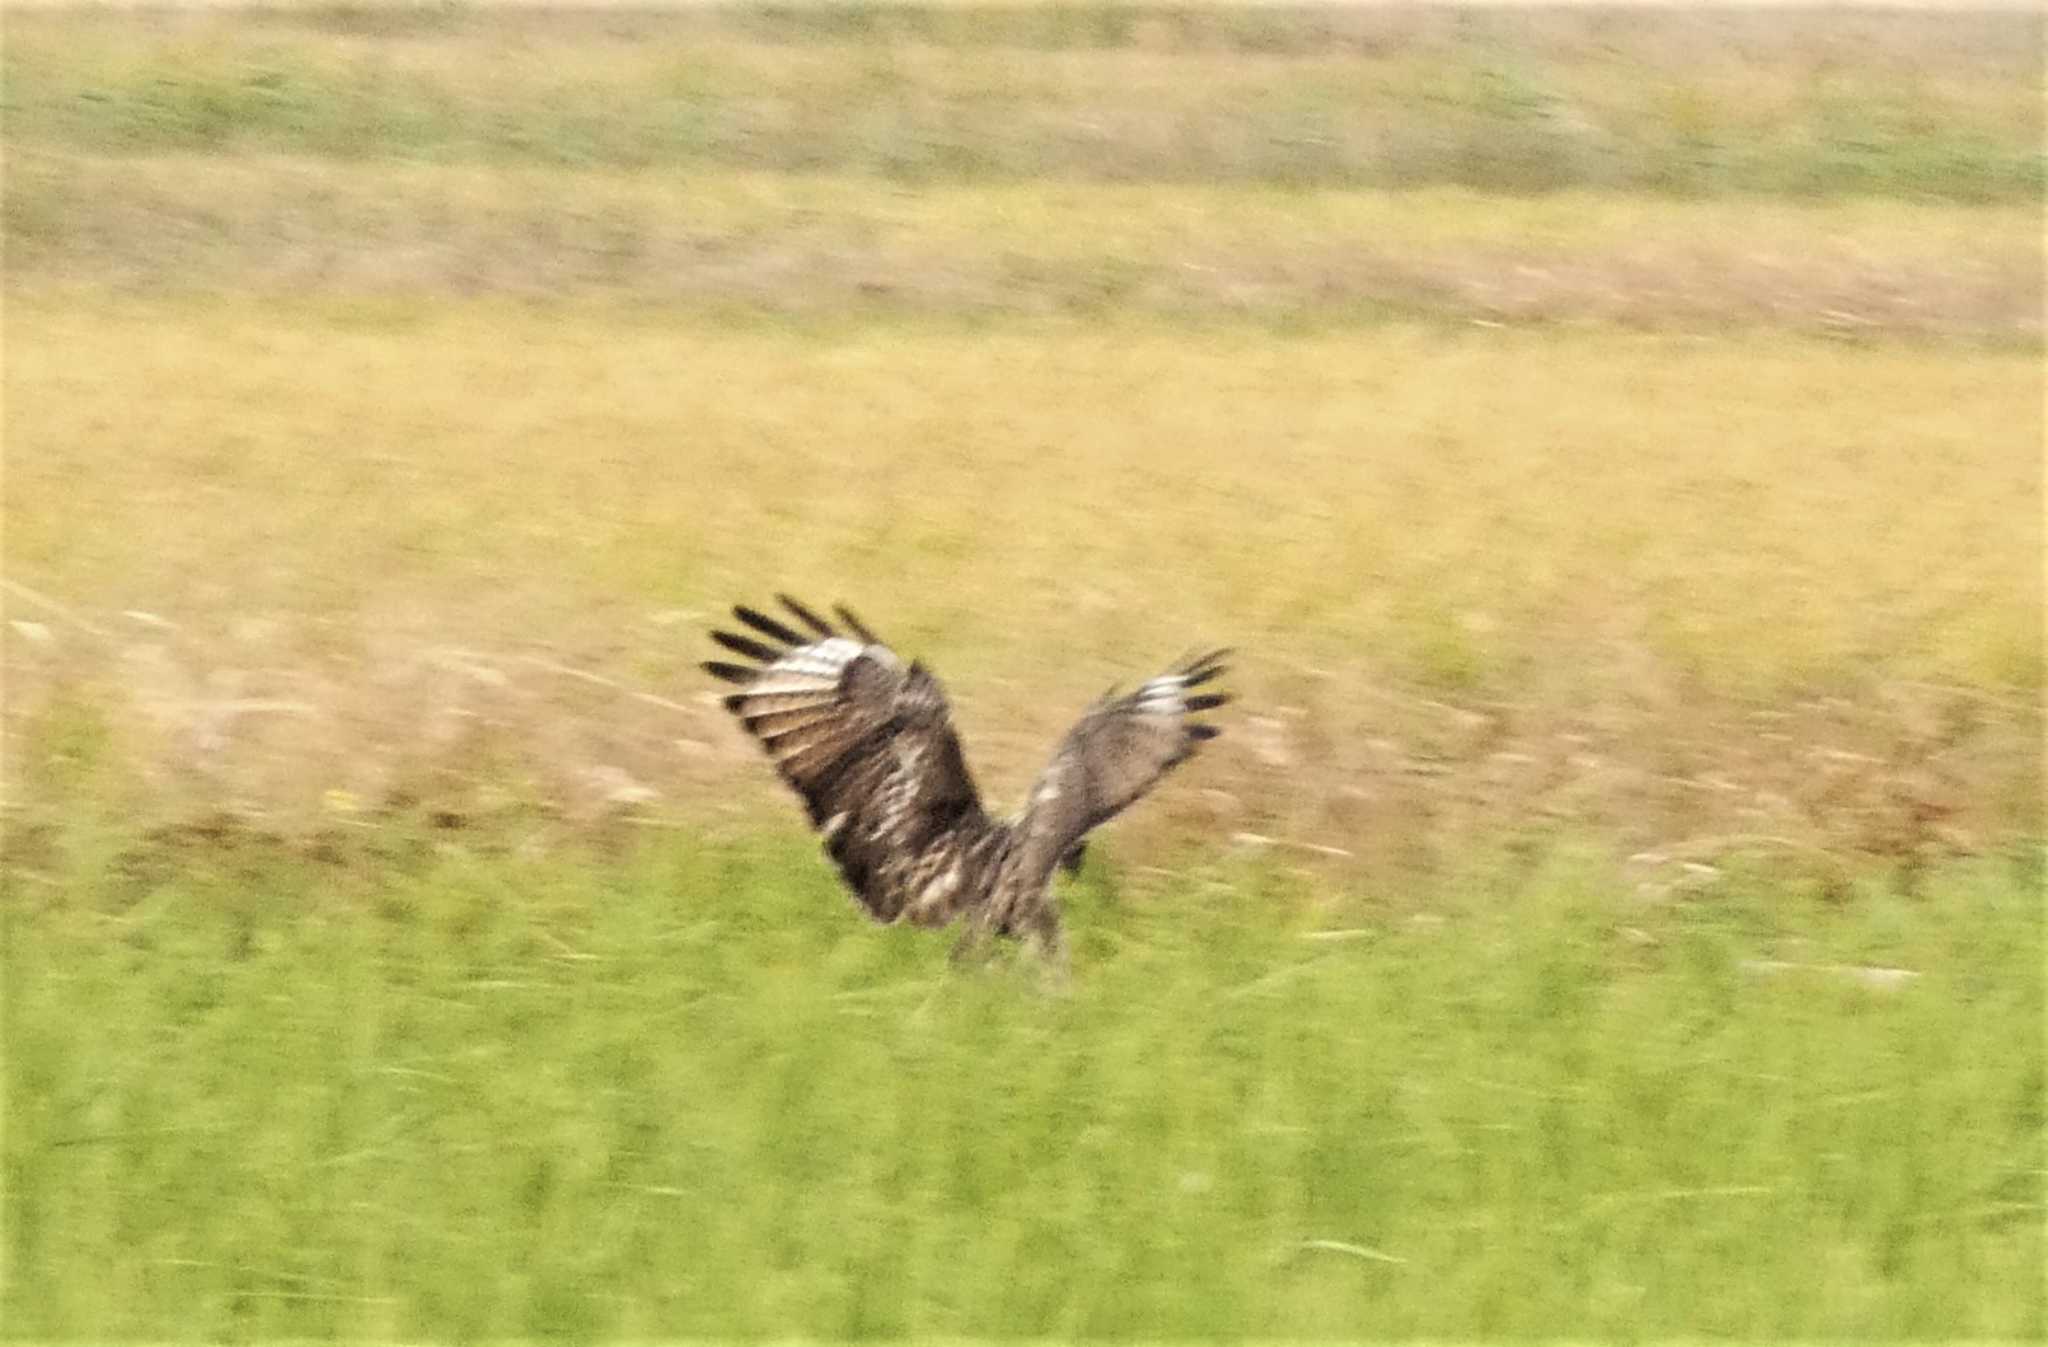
[731,673]
[855,623]
[768,626]
[748,646]
[806,616]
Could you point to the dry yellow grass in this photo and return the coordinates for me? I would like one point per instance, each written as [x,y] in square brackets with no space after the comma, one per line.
[1663,586]
[823,243]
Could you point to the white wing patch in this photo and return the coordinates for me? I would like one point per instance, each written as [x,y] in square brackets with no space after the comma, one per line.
[826,657]
[816,667]
[1162,696]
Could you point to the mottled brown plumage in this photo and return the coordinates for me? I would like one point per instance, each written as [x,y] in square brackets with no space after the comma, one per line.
[867,742]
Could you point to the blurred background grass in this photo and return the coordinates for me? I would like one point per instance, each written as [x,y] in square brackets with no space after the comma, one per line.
[1925,105]
[1613,440]
[1664,586]
[1836,169]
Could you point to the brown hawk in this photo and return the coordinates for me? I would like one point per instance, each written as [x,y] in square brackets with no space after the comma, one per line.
[867,741]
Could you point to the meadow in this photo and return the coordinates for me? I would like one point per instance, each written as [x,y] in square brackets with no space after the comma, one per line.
[423,1093]
[1613,444]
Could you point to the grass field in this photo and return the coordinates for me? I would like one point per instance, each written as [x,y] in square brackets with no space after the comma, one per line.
[412,1096]
[1615,448]
[406,550]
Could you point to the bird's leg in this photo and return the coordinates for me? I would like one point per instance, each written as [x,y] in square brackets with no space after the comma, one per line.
[1052,943]
[972,942]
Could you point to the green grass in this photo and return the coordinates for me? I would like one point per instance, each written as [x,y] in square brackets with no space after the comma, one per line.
[433,1091]
[1917,106]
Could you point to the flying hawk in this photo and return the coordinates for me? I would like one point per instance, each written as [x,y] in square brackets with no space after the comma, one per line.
[868,742]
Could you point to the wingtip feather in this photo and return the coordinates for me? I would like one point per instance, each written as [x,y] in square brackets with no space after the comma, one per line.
[856,626]
[807,617]
[768,626]
[748,646]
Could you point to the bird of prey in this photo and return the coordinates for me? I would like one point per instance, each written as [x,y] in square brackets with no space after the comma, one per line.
[867,741]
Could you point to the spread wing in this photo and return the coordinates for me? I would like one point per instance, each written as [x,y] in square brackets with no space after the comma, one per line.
[1118,751]
[868,744]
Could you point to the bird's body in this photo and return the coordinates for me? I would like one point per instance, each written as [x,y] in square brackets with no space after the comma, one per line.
[868,743]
